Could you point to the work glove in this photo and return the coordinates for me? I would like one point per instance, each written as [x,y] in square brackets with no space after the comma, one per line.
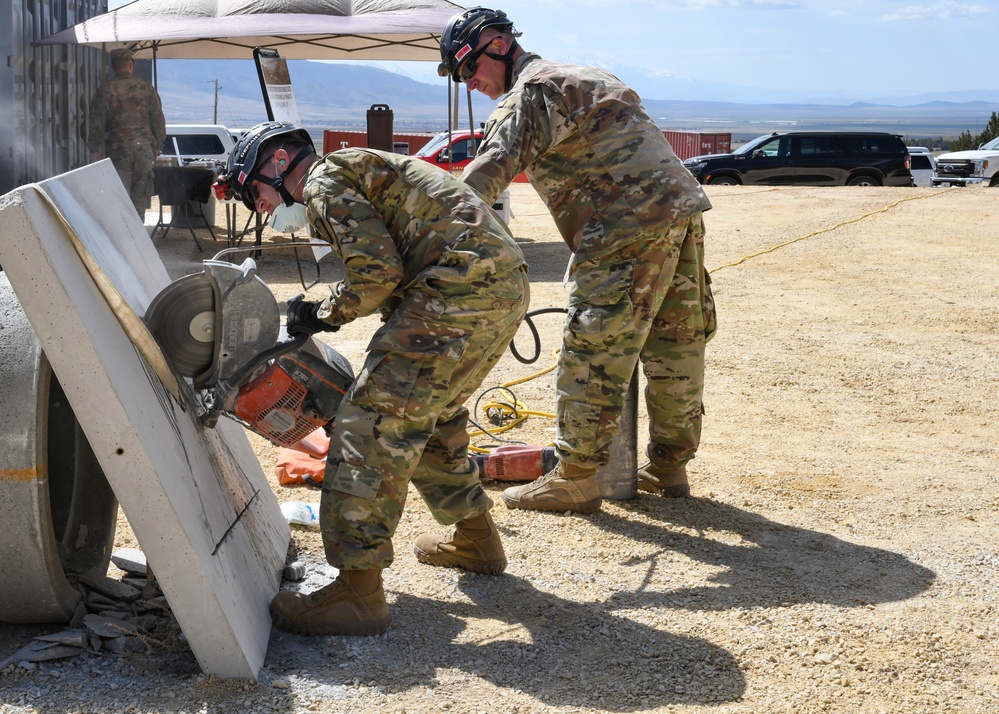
[303,319]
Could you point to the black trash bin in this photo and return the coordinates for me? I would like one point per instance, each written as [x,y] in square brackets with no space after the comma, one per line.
[380,127]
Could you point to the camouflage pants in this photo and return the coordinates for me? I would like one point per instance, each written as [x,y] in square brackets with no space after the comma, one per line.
[403,420]
[134,164]
[650,301]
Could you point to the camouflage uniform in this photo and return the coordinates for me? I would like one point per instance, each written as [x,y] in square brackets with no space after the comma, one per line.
[128,127]
[451,283]
[631,213]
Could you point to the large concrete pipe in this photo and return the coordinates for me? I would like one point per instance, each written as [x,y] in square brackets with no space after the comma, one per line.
[57,511]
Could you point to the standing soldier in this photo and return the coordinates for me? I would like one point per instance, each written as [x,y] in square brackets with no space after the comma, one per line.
[631,214]
[127,126]
[424,250]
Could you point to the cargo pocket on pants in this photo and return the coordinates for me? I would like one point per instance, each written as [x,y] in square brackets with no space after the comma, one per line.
[356,481]
[414,371]
[580,423]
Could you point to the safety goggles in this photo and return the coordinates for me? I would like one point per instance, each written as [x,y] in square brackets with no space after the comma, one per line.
[250,190]
[258,175]
[471,65]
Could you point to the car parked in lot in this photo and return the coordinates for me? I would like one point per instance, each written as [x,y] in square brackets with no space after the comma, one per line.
[815,158]
[922,166]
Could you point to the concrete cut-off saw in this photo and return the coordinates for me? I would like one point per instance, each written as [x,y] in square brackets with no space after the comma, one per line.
[222,329]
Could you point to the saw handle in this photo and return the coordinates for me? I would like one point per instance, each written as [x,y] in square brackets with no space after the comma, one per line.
[266,356]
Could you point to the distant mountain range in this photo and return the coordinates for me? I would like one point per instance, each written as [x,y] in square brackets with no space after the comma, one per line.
[338,95]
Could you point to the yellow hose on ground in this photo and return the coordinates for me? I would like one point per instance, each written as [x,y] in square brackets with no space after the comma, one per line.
[517,411]
[827,230]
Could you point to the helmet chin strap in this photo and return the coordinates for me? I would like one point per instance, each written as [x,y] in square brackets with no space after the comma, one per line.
[278,181]
[507,59]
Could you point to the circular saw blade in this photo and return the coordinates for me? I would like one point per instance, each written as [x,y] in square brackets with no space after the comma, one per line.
[182,319]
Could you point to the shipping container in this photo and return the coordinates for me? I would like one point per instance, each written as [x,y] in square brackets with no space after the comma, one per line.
[684,143]
[44,91]
[407,144]
[688,143]
[334,139]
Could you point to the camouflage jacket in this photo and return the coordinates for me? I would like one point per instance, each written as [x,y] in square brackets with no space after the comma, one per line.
[125,111]
[602,166]
[397,221]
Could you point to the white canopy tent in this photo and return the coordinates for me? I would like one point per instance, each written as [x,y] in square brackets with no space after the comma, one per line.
[298,29]
[387,30]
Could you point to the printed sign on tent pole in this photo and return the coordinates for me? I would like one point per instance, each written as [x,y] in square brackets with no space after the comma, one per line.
[275,82]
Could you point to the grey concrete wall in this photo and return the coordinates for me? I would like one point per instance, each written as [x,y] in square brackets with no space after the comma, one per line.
[197,500]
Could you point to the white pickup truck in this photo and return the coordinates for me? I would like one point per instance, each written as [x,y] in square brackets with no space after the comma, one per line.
[969,168]
[198,142]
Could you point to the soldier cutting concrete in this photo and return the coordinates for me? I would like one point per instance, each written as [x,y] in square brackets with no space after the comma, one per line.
[631,214]
[128,127]
[424,250]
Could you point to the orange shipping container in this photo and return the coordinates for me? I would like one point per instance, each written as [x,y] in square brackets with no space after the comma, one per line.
[689,143]
[684,143]
[335,139]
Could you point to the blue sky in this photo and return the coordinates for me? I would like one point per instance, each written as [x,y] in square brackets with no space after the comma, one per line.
[792,49]
[834,51]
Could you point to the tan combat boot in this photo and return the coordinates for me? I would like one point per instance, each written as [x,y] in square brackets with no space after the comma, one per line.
[475,546]
[662,476]
[566,487]
[353,604]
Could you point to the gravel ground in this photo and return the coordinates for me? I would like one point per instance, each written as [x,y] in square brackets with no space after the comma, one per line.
[839,555]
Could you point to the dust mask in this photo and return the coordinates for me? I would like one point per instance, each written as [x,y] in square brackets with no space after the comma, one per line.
[289,219]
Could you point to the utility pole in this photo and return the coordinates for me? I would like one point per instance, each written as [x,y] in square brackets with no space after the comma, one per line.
[215,113]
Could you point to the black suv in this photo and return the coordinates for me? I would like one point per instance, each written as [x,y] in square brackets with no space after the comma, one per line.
[818,158]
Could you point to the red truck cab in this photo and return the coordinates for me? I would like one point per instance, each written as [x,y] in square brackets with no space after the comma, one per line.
[454,157]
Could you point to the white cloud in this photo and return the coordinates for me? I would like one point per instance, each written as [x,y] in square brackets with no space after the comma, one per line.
[774,5]
[570,40]
[674,4]
[687,4]
[946,10]
[666,73]
[734,4]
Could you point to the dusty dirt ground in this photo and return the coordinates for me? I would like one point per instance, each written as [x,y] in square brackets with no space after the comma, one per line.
[840,551]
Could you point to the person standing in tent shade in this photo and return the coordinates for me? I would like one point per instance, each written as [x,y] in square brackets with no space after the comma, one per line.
[127,126]
[631,214]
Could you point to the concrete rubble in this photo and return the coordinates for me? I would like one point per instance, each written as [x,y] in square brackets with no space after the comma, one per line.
[127,615]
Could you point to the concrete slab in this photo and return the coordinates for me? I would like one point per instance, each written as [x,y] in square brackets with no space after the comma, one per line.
[197,499]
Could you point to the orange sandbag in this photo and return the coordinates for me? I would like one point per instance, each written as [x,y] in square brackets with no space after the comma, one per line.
[295,468]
